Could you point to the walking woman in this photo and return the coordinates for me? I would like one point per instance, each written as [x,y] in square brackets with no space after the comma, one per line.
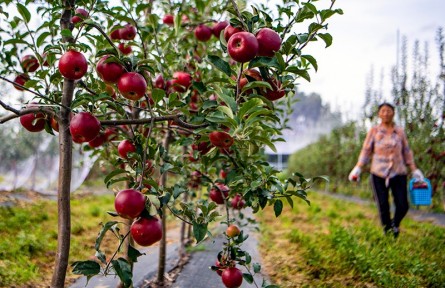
[386,147]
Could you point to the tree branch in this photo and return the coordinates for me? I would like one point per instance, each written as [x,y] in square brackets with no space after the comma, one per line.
[25,111]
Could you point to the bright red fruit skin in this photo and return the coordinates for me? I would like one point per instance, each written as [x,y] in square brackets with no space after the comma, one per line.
[73,65]
[159,82]
[237,202]
[216,195]
[81,15]
[203,33]
[232,277]
[277,92]
[129,203]
[128,32]
[218,27]
[181,81]
[98,141]
[242,47]
[269,42]
[125,147]
[125,49]
[110,72]
[132,85]
[220,139]
[168,20]
[21,80]
[84,127]
[29,63]
[115,34]
[146,231]
[30,123]
[229,31]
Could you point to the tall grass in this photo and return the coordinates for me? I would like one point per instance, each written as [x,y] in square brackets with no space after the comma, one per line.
[335,243]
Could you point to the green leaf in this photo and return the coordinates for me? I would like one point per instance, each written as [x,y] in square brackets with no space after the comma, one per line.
[278,207]
[86,268]
[326,37]
[102,232]
[247,106]
[264,62]
[228,100]
[26,15]
[321,177]
[133,254]
[199,231]
[42,38]
[226,110]
[248,278]
[311,60]
[220,64]
[157,94]
[299,72]
[256,267]
[290,201]
[114,173]
[67,33]
[123,270]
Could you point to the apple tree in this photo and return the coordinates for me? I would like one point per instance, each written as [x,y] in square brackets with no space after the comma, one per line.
[190,91]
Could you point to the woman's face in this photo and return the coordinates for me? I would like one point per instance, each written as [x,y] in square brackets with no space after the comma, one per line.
[386,114]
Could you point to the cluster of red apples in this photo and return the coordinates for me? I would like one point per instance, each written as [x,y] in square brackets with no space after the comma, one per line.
[145,229]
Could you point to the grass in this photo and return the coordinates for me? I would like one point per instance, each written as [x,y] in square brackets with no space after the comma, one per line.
[28,238]
[335,243]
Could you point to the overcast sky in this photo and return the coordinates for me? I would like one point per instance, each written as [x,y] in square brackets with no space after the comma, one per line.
[365,36]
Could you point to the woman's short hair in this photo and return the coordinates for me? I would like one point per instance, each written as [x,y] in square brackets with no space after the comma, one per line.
[386,104]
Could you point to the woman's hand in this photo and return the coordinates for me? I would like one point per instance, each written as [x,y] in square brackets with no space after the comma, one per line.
[418,175]
[355,174]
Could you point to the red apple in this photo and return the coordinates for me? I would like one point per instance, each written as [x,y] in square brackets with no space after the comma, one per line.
[269,42]
[110,91]
[168,20]
[181,81]
[132,85]
[146,231]
[219,27]
[220,139]
[98,141]
[203,33]
[115,34]
[29,63]
[73,65]
[232,277]
[202,147]
[249,75]
[229,31]
[216,195]
[159,82]
[54,124]
[277,92]
[81,14]
[242,47]
[354,178]
[233,231]
[33,122]
[125,147]
[84,127]
[21,80]
[128,32]
[220,266]
[110,133]
[125,49]
[108,71]
[129,203]
[237,202]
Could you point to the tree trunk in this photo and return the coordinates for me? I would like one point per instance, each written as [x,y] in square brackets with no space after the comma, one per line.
[65,165]
[182,236]
[163,244]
